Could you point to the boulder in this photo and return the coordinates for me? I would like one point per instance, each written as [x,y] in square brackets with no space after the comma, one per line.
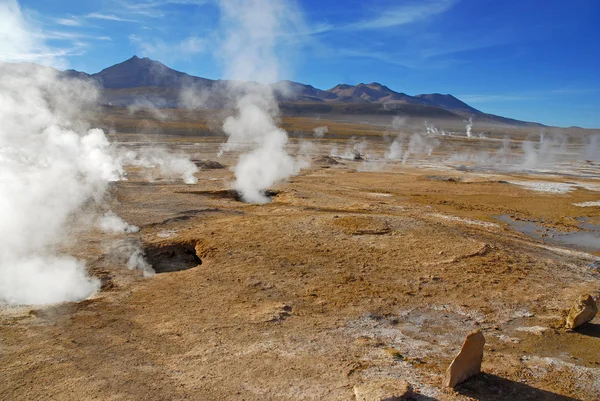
[581,312]
[325,160]
[383,390]
[468,361]
[208,164]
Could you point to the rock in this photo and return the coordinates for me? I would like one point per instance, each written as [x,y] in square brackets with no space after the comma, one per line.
[208,164]
[383,390]
[468,361]
[325,160]
[582,312]
[270,312]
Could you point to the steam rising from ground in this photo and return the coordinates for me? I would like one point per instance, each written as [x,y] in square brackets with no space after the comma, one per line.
[254,30]
[160,163]
[547,152]
[417,145]
[320,132]
[50,166]
[53,169]
[355,150]
[469,127]
[111,223]
[544,152]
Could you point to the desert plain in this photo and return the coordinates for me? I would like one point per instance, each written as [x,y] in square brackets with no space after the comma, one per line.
[360,268]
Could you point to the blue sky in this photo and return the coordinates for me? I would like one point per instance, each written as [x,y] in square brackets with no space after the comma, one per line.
[527,59]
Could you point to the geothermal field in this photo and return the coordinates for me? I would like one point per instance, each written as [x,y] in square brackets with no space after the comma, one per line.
[372,261]
[245,240]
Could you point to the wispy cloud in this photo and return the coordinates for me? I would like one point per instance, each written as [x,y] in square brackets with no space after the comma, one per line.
[109,17]
[397,15]
[24,40]
[374,55]
[155,9]
[68,21]
[483,98]
[71,36]
[403,14]
[145,9]
[524,96]
[575,91]
[170,51]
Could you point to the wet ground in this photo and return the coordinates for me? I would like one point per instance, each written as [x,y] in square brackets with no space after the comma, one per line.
[583,237]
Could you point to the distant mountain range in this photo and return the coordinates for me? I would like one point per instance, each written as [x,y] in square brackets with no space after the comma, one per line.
[147,82]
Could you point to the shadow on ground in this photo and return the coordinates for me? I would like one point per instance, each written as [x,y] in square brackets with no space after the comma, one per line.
[486,387]
[590,329]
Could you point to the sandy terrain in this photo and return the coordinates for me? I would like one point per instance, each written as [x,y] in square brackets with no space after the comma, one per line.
[355,271]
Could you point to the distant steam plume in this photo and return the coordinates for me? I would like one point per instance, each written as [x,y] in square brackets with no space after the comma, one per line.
[419,145]
[159,162]
[396,149]
[432,130]
[469,127]
[592,148]
[255,31]
[320,132]
[546,151]
[355,150]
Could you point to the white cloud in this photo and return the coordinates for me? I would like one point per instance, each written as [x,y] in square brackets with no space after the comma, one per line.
[403,14]
[68,22]
[495,98]
[109,17]
[169,51]
[22,41]
[574,91]
[153,9]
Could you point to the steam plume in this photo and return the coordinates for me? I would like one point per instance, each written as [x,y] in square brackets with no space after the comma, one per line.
[111,223]
[50,166]
[254,31]
[396,149]
[320,132]
[160,162]
[469,127]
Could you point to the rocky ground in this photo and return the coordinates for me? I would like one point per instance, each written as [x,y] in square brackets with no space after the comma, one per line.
[354,273]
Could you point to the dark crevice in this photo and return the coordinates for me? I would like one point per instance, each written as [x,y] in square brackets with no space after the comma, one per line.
[172,257]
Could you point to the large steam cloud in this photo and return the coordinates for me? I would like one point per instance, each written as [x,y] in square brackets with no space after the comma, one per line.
[52,168]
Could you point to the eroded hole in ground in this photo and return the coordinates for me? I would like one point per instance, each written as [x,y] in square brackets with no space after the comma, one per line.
[172,257]
[208,164]
[230,194]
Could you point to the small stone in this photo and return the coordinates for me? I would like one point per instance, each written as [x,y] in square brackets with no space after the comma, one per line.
[582,312]
[468,361]
[394,353]
[383,390]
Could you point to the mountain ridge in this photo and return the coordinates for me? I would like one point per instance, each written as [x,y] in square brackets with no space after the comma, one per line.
[143,72]
[156,84]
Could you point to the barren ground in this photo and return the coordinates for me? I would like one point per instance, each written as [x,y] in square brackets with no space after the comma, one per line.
[354,271]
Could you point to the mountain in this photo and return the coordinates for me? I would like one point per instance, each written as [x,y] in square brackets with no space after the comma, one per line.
[73,74]
[295,91]
[371,93]
[145,81]
[142,72]
[448,102]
